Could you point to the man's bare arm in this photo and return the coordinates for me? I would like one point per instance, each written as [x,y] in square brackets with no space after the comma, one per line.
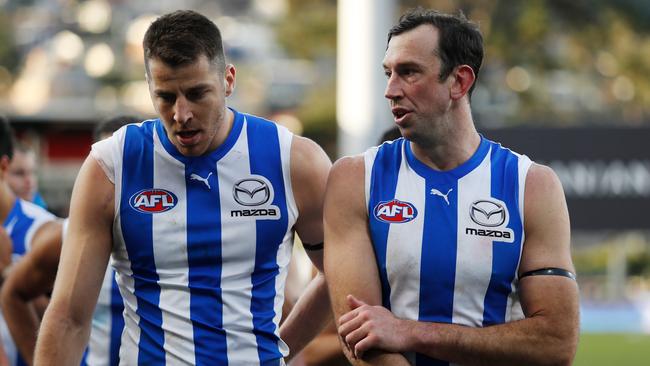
[31,277]
[6,248]
[549,333]
[309,169]
[84,256]
[350,265]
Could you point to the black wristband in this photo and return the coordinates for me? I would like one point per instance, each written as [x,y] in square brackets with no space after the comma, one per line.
[312,247]
[551,271]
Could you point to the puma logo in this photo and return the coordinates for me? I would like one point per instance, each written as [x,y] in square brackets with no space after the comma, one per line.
[201,179]
[436,192]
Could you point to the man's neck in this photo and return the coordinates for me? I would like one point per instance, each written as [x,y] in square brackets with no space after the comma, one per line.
[450,146]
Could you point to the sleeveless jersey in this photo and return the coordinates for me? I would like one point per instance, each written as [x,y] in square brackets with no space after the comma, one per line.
[201,244]
[107,325]
[22,222]
[447,244]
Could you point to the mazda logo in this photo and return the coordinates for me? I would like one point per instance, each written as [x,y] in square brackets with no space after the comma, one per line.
[487,213]
[251,192]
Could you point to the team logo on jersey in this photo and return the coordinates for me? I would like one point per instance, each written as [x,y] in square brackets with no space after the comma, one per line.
[395,211]
[488,213]
[252,191]
[492,217]
[445,196]
[153,201]
[256,194]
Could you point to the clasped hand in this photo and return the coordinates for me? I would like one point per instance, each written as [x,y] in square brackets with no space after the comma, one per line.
[367,327]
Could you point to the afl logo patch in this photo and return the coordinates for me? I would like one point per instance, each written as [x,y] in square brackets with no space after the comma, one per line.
[395,212]
[153,201]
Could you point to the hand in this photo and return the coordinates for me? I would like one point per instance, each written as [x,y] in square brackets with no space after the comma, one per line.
[366,327]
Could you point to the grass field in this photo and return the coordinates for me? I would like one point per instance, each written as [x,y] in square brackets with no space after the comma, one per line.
[613,349]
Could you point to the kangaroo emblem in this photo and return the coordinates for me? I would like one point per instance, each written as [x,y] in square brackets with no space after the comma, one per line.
[436,192]
[201,179]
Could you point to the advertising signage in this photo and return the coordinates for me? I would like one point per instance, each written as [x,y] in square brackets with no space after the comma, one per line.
[605,172]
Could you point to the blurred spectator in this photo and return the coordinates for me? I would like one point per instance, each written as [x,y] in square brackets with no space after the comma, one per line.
[21,176]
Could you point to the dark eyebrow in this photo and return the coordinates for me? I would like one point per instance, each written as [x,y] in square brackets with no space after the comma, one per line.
[403,65]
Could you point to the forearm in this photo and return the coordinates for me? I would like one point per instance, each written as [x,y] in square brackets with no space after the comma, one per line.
[61,340]
[23,324]
[531,341]
[308,317]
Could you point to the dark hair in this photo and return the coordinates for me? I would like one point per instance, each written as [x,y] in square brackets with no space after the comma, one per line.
[181,37]
[460,41]
[6,138]
[393,133]
[112,124]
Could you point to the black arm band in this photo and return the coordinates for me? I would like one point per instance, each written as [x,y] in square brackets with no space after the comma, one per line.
[551,271]
[311,247]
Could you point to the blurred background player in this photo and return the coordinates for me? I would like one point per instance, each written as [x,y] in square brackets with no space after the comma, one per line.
[24,222]
[33,276]
[21,176]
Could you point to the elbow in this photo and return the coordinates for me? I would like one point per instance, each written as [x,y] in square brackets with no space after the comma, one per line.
[562,348]
[567,352]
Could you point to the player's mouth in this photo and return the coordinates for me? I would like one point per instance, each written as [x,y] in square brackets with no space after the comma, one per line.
[399,114]
[188,137]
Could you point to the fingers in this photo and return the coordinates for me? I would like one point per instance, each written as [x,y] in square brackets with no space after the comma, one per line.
[349,322]
[363,345]
[354,303]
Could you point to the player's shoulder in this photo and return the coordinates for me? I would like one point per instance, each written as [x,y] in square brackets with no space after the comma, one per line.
[542,179]
[34,211]
[307,156]
[347,171]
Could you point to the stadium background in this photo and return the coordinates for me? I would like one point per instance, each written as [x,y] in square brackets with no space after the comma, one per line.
[566,82]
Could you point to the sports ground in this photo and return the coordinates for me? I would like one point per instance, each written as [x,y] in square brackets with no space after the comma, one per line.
[607,349]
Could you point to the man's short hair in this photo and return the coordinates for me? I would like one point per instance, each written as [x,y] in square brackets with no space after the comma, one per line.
[112,124]
[6,138]
[181,37]
[460,41]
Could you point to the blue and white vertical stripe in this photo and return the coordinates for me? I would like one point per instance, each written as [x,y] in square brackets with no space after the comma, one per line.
[21,223]
[107,325]
[443,265]
[202,283]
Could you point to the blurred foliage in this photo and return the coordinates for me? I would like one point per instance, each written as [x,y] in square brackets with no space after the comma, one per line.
[594,261]
[318,113]
[309,29]
[638,264]
[591,262]
[309,32]
[8,52]
[588,60]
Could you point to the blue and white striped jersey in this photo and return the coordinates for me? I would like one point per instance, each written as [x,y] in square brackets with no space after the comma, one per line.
[22,222]
[447,244]
[107,325]
[201,244]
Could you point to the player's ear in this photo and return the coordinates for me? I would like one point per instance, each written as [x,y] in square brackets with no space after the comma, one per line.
[229,79]
[464,78]
[4,165]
